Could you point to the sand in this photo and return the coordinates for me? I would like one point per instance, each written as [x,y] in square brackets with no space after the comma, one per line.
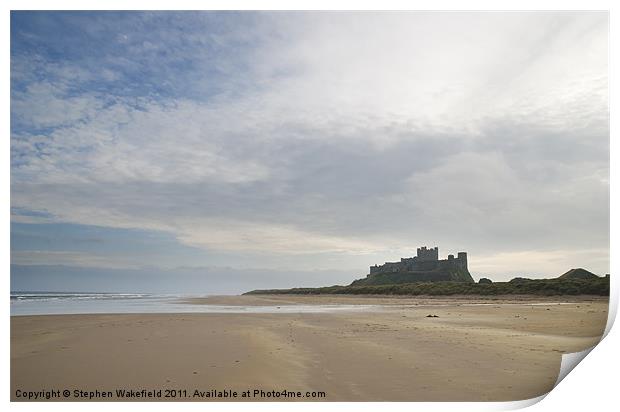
[497,351]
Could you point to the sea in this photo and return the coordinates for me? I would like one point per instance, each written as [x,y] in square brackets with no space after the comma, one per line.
[66,303]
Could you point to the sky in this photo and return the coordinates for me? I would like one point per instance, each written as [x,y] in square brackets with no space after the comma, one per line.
[218,152]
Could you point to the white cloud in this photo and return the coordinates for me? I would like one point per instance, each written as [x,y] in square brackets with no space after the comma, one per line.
[446,71]
[45,105]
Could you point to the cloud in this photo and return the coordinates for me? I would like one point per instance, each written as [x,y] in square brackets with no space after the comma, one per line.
[45,105]
[358,135]
[69,258]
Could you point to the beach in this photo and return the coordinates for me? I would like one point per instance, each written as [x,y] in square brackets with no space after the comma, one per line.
[470,349]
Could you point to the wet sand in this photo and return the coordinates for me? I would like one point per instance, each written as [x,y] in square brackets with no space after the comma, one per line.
[497,351]
[423,300]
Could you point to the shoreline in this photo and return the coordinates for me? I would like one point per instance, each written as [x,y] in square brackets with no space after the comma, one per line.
[279,303]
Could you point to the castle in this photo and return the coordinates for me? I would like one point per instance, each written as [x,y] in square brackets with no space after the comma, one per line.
[426,260]
[425,267]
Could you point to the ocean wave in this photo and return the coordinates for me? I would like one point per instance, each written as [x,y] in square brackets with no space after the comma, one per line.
[47,296]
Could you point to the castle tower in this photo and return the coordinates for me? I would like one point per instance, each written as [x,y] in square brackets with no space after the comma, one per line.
[462,257]
[426,255]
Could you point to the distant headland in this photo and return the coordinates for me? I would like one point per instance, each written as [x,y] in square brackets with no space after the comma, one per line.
[426,274]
